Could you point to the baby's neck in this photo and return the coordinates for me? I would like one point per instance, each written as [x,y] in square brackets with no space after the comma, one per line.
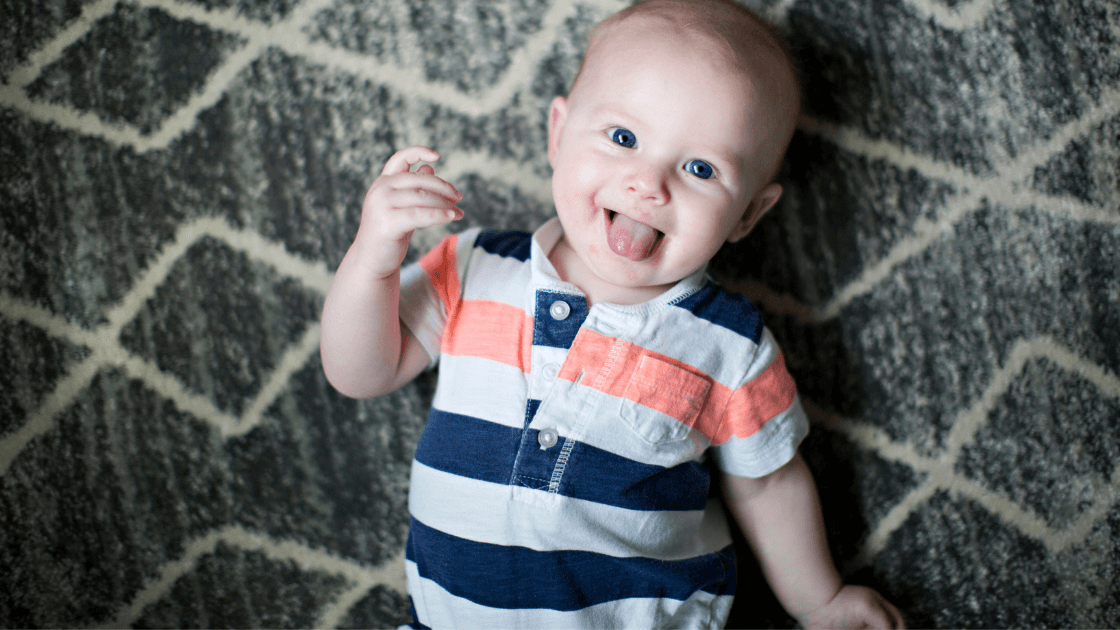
[571,269]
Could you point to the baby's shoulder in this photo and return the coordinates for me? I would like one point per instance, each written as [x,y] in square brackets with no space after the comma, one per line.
[714,306]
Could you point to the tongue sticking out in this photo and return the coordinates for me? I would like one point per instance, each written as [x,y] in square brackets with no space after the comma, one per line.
[629,238]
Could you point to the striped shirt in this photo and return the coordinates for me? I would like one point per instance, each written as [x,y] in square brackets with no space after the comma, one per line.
[563,477]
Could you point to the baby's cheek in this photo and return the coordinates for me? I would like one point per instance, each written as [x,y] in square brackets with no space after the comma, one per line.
[587,171]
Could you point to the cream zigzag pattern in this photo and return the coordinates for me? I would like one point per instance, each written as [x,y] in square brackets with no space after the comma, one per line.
[1008,186]
[361,579]
[940,472]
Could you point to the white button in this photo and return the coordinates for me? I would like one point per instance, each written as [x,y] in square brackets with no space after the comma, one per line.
[550,371]
[559,310]
[547,438]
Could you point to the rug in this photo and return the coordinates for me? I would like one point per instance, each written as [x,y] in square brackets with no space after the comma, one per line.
[179,179]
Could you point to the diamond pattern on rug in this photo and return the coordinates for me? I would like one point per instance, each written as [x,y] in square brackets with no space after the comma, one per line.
[135,66]
[179,178]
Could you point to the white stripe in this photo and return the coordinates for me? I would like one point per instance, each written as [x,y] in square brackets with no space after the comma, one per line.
[768,351]
[721,353]
[422,311]
[509,516]
[607,430]
[482,388]
[544,356]
[439,609]
[464,248]
[508,279]
[766,450]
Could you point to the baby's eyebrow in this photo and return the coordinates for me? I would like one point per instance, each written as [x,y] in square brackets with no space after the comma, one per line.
[612,110]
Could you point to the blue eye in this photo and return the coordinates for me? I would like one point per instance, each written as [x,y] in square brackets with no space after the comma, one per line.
[700,168]
[623,137]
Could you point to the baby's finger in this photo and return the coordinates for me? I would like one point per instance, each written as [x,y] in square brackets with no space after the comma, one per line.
[402,160]
[884,614]
[426,169]
[426,182]
[421,198]
[417,218]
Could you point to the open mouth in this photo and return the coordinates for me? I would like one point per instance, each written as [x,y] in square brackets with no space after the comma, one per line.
[631,239]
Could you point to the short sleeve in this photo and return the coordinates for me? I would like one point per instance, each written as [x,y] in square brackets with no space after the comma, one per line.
[421,311]
[764,420]
[431,289]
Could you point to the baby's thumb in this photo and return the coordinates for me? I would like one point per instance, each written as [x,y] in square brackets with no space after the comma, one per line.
[426,169]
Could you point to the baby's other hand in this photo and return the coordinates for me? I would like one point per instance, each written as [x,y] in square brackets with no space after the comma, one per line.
[856,607]
[400,201]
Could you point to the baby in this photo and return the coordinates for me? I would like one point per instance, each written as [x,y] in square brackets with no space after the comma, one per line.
[592,378]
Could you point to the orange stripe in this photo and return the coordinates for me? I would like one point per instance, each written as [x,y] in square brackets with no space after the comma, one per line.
[442,269]
[608,364]
[756,402]
[490,330]
[592,353]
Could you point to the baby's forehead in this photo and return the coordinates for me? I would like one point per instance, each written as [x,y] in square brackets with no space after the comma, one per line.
[733,41]
[640,37]
[638,31]
[720,25]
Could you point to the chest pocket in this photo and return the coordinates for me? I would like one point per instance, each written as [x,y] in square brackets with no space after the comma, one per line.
[662,401]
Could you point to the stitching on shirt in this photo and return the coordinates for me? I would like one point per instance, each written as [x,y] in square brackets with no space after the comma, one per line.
[569,443]
[522,480]
[513,476]
[561,464]
[612,356]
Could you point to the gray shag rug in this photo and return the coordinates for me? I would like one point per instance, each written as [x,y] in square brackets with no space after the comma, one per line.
[179,178]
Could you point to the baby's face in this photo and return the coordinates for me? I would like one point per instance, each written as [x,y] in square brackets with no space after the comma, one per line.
[660,155]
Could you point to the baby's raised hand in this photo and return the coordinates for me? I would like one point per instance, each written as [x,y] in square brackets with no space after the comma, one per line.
[400,201]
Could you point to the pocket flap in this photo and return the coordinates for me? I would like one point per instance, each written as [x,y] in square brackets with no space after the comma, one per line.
[668,389]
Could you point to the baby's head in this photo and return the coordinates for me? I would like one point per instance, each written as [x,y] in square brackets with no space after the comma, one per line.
[668,142]
[740,39]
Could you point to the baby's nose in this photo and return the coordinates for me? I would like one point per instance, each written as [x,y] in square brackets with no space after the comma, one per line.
[648,182]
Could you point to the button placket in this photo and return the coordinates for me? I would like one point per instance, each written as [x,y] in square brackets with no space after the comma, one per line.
[558,317]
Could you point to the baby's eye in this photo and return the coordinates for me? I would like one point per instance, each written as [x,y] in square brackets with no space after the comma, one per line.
[623,137]
[700,168]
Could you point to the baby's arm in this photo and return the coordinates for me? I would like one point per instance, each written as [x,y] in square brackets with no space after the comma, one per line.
[780,516]
[365,349]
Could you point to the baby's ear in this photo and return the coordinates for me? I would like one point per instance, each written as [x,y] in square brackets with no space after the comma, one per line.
[759,206]
[557,114]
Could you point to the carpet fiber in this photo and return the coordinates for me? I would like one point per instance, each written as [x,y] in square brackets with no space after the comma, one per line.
[179,178]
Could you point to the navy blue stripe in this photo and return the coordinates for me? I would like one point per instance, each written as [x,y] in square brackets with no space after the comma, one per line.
[554,333]
[516,577]
[509,244]
[601,476]
[723,308]
[468,447]
[487,451]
